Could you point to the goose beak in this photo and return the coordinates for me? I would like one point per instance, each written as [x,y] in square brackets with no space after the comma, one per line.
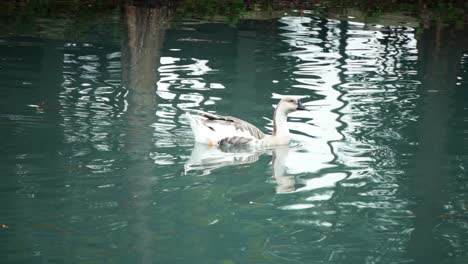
[300,106]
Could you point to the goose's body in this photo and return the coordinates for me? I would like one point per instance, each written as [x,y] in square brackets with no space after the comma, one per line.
[220,130]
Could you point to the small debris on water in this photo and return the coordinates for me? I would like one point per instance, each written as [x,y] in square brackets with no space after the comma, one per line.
[214,222]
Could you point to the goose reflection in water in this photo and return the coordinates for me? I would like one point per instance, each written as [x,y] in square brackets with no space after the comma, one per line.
[205,159]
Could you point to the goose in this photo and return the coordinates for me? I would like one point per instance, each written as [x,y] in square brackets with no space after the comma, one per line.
[226,131]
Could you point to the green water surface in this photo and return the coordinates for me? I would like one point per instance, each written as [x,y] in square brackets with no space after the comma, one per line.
[98,163]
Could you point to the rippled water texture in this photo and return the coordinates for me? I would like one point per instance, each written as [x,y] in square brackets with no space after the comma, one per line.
[98,163]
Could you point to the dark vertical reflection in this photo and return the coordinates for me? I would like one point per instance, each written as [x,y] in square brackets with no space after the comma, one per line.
[245,67]
[30,162]
[441,50]
[141,55]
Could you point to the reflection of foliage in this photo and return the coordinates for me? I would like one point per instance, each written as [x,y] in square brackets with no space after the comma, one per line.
[57,19]
[231,9]
[57,8]
[447,11]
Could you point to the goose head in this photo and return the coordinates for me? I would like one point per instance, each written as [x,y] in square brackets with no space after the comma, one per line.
[290,104]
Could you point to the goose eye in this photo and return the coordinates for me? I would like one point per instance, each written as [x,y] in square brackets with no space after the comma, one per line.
[291,101]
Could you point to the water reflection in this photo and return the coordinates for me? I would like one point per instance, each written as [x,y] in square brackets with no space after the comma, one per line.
[206,158]
[284,182]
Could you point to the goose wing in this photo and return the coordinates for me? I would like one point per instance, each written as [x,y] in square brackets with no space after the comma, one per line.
[240,125]
[211,128]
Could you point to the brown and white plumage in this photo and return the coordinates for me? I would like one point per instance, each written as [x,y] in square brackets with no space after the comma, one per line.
[220,130]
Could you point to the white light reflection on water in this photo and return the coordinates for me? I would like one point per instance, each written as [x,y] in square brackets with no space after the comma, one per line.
[316,70]
[176,73]
[92,95]
[350,71]
[181,83]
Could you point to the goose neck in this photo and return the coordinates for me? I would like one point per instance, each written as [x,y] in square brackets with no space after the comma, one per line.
[280,123]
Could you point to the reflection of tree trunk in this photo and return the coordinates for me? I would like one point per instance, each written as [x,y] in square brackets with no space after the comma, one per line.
[145,39]
[440,53]
[141,60]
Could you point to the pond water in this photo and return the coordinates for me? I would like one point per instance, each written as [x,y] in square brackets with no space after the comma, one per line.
[98,162]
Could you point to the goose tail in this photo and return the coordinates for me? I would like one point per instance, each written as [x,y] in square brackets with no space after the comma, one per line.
[201,132]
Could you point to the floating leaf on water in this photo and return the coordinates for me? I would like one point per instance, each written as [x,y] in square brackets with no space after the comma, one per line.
[445,216]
